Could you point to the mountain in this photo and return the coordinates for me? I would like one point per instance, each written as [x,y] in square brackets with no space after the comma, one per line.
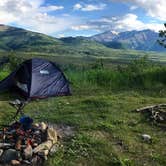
[12,38]
[138,40]
[17,39]
[104,37]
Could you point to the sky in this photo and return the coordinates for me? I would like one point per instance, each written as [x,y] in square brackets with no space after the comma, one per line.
[62,18]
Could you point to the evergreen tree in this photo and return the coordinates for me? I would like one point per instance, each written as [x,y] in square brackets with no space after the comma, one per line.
[162,35]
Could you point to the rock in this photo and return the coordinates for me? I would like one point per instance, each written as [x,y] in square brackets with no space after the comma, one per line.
[15,162]
[54,149]
[1,151]
[37,160]
[35,145]
[43,126]
[44,146]
[18,144]
[52,135]
[37,132]
[3,145]
[146,138]
[28,151]
[9,155]
[34,160]
[44,153]
[36,125]
[26,162]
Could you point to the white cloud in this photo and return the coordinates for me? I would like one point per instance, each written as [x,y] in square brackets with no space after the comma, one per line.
[131,22]
[81,27]
[33,15]
[154,8]
[51,8]
[127,22]
[133,7]
[77,6]
[61,35]
[89,7]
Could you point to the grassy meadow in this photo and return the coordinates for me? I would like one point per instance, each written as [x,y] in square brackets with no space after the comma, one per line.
[104,95]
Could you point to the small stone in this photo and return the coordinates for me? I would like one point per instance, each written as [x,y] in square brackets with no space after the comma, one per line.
[146,138]
[37,132]
[1,151]
[34,160]
[35,144]
[52,135]
[15,162]
[3,145]
[26,162]
[37,160]
[43,126]
[18,144]
[54,148]
[36,125]
[28,152]
[44,153]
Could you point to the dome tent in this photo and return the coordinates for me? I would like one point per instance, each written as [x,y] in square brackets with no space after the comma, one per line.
[37,78]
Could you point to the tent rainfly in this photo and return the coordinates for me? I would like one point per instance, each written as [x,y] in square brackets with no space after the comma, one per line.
[37,78]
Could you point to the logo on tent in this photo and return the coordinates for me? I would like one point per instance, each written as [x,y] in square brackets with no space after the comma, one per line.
[44,72]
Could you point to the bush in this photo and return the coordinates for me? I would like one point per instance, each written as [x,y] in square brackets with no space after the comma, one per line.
[14,61]
[140,74]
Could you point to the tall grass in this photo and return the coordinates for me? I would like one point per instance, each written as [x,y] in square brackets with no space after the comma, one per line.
[140,74]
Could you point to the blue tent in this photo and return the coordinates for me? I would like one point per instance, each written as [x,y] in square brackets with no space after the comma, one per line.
[37,78]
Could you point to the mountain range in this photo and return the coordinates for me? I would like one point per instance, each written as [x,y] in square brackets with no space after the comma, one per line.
[137,40]
[17,39]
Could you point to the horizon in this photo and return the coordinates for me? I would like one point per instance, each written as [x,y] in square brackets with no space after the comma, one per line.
[82,18]
[75,36]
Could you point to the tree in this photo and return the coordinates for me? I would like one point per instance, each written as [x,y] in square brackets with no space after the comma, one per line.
[162,35]
[14,60]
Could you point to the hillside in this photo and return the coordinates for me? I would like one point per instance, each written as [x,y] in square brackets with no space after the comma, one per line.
[16,39]
[138,40]
[28,44]
[19,39]
[100,110]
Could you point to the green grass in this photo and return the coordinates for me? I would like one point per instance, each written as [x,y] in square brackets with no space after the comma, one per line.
[107,130]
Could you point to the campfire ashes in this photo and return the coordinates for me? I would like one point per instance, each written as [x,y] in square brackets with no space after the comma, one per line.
[26,143]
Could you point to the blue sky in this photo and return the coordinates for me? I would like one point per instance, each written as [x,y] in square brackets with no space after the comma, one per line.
[61,18]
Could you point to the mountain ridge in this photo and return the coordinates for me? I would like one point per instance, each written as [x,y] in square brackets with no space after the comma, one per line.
[137,40]
[18,39]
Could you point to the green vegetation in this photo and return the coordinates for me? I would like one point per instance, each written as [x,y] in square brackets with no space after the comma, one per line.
[107,85]
[162,35]
[107,131]
[30,44]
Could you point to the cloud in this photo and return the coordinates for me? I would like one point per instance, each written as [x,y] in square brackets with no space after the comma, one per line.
[89,7]
[77,6]
[81,27]
[51,8]
[133,7]
[33,15]
[119,24]
[131,22]
[154,8]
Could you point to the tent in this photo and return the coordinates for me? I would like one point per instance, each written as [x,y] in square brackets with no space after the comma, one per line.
[37,78]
